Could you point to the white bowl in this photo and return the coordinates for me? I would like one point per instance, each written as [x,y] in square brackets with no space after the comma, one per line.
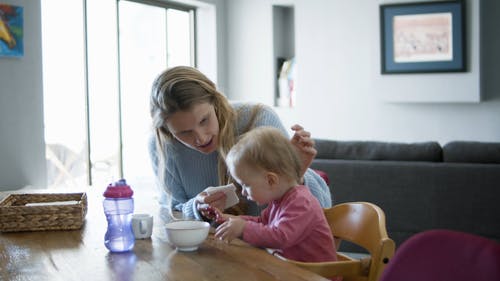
[187,235]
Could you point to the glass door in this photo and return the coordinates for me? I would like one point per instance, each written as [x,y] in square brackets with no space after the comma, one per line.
[100,58]
[151,38]
[64,92]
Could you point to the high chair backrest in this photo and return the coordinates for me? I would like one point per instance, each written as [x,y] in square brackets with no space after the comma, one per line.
[362,224]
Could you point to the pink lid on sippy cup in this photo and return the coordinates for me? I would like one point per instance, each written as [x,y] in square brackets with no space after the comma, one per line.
[119,189]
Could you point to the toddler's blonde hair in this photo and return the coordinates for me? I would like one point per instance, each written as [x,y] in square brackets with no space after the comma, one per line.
[268,149]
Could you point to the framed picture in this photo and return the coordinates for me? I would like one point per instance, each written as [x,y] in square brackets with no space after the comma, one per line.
[423,37]
[11,31]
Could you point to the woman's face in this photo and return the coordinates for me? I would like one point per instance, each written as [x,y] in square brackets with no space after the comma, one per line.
[197,128]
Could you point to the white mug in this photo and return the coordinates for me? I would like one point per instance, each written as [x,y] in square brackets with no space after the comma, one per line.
[142,225]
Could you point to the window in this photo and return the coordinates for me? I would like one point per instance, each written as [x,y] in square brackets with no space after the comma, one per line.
[100,59]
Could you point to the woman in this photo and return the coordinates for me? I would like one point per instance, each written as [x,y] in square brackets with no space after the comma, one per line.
[194,128]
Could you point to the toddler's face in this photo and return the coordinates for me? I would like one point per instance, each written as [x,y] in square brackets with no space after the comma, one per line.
[254,185]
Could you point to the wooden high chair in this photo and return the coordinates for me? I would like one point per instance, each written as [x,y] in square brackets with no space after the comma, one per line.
[362,224]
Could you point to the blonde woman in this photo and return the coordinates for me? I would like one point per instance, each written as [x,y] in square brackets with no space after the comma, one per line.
[267,167]
[194,128]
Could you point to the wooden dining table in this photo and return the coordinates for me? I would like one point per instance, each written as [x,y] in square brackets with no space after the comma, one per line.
[81,254]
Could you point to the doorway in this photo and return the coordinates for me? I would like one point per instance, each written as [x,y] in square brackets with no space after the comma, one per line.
[97,84]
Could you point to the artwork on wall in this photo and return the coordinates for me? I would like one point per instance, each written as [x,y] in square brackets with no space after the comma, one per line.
[423,37]
[11,31]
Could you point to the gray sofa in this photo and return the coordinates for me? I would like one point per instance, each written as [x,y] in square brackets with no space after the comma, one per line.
[419,186]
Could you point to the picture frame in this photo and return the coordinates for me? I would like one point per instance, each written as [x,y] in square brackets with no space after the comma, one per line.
[423,37]
[11,31]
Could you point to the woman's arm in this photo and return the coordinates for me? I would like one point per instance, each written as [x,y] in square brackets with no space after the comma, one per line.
[304,146]
[318,188]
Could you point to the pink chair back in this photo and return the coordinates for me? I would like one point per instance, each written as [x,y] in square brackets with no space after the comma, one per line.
[324,175]
[444,255]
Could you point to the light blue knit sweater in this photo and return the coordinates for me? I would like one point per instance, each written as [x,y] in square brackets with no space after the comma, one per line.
[188,172]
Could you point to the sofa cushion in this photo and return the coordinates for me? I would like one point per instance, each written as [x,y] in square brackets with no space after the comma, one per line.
[375,150]
[416,195]
[471,152]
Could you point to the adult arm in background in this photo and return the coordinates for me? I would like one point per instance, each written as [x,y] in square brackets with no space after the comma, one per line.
[304,145]
[318,188]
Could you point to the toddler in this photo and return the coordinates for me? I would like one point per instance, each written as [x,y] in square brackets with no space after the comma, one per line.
[267,167]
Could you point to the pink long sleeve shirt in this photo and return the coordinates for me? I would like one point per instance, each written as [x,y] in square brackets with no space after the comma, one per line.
[295,226]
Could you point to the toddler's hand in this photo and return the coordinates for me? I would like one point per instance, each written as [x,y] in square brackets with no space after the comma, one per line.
[232,228]
[213,214]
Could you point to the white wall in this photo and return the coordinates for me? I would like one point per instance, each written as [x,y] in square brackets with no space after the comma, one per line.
[338,96]
[341,93]
[22,147]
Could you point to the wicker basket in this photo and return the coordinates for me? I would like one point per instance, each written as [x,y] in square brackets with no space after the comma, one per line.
[42,211]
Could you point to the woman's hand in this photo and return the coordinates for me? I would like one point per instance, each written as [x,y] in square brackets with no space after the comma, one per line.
[216,201]
[232,228]
[305,146]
